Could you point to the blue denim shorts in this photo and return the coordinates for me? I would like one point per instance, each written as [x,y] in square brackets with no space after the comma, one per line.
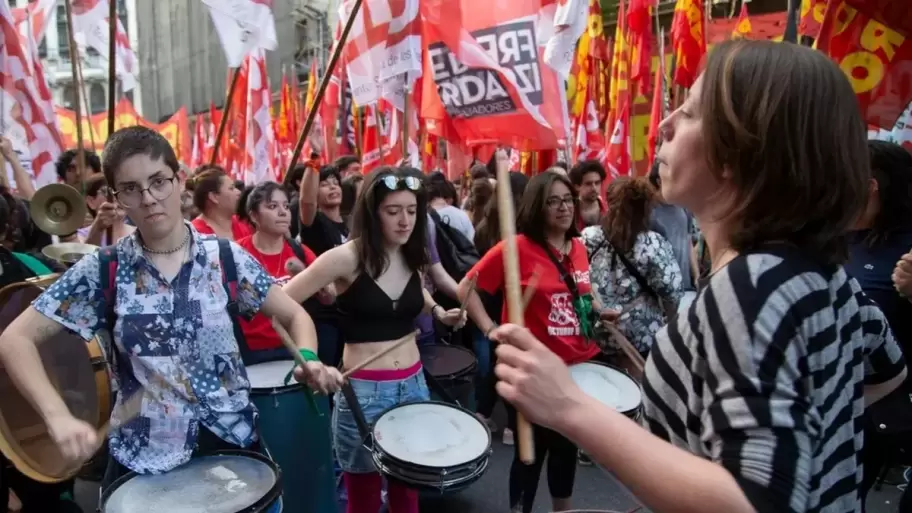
[374,397]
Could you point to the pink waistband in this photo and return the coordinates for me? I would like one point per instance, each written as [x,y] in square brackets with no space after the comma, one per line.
[388,374]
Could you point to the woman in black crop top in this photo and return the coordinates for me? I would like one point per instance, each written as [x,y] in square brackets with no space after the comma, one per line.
[378,277]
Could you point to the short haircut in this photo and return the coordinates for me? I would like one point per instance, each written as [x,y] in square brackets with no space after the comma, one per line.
[131,141]
[585,167]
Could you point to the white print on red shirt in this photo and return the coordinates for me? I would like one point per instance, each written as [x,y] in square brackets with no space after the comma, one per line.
[562,321]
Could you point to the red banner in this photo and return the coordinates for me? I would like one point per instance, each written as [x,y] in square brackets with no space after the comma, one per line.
[876,58]
[485,76]
[176,129]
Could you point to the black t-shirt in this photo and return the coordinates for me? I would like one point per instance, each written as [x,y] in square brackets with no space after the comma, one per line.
[321,236]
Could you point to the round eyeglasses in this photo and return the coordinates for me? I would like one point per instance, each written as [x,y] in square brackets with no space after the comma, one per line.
[131,195]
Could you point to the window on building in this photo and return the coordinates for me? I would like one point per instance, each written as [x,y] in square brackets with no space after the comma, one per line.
[69,96]
[42,48]
[63,37]
[97,99]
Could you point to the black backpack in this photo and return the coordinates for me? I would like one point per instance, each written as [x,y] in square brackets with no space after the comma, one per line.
[457,253]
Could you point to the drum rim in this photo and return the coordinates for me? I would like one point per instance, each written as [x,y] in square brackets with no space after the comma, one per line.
[388,461]
[264,391]
[20,460]
[274,492]
[447,485]
[626,374]
[376,446]
[453,375]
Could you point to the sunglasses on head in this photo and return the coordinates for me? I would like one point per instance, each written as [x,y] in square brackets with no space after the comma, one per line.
[393,182]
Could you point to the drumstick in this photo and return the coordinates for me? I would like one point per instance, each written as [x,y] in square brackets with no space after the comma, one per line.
[531,286]
[472,282]
[513,293]
[288,343]
[367,361]
[636,359]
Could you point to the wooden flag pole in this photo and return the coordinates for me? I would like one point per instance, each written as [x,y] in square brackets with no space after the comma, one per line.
[74,57]
[112,93]
[81,86]
[235,75]
[324,83]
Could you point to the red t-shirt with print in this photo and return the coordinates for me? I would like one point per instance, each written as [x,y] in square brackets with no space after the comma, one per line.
[258,332]
[550,315]
[239,229]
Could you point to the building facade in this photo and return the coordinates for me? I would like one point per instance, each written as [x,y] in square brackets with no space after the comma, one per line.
[55,54]
[182,62]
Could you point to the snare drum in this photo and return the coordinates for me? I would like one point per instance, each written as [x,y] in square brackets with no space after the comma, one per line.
[297,438]
[224,482]
[431,446]
[611,386]
[453,367]
[78,371]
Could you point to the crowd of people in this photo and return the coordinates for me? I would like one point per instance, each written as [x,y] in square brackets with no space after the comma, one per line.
[762,269]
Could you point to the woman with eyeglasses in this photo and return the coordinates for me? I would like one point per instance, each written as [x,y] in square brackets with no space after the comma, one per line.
[377,275]
[267,209]
[163,293]
[561,312]
[215,196]
[104,214]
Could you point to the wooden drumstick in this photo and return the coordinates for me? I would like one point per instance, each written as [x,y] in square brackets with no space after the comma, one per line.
[288,342]
[531,286]
[299,360]
[513,293]
[367,361]
[472,282]
[636,359]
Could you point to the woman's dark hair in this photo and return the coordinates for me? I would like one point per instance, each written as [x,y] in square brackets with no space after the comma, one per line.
[583,168]
[205,183]
[481,197]
[93,184]
[479,171]
[350,193]
[530,218]
[891,165]
[487,233]
[441,189]
[68,158]
[783,122]
[631,200]
[327,172]
[343,162]
[16,222]
[131,141]
[366,227]
[241,209]
[253,198]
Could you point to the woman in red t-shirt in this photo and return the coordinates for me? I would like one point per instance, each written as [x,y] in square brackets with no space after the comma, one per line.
[216,198]
[267,210]
[559,314]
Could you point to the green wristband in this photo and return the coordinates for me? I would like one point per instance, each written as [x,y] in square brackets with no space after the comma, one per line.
[309,356]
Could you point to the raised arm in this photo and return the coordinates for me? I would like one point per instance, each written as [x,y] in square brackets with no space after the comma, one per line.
[339,262]
[307,195]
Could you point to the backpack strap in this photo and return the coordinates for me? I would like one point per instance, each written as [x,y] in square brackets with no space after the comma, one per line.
[297,250]
[230,283]
[107,279]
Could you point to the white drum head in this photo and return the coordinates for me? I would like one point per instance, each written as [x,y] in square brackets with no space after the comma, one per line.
[610,386]
[212,484]
[270,375]
[431,435]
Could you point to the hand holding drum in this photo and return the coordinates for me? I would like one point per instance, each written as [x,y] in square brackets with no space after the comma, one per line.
[76,440]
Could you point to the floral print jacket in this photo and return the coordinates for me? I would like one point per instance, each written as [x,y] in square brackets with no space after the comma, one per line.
[173,343]
[615,287]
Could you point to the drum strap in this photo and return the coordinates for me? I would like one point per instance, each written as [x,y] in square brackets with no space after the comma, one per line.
[107,259]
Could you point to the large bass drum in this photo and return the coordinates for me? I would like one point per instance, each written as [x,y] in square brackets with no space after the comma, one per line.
[79,372]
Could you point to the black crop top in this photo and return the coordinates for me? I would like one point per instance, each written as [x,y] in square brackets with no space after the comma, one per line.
[369,315]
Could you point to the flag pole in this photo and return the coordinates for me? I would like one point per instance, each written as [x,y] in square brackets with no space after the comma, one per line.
[225,111]
[85,95]
[112,93]
[74,65]
[324,83]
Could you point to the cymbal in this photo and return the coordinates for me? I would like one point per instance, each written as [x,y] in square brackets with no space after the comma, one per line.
[58,209]
[68,252]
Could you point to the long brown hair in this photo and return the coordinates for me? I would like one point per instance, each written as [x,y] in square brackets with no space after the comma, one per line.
[631,201]
[206,181]
[783,122]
